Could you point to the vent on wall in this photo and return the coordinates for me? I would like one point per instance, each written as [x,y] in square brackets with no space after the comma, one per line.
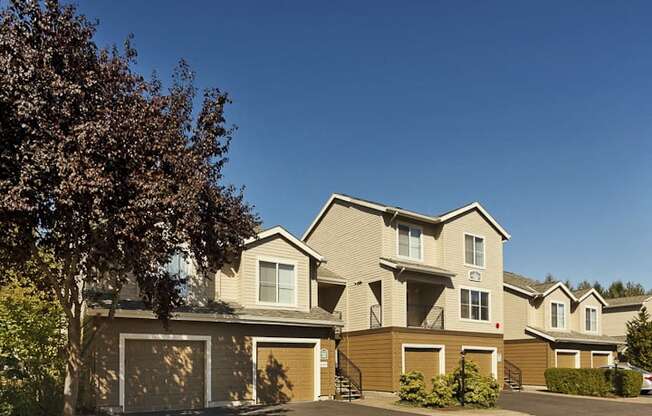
[475,276]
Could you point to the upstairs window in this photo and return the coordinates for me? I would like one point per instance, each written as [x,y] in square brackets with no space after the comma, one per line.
[276,283]
[474,304]
[591,320]
[558,315]
[474,250]
[409,242]
[178,267]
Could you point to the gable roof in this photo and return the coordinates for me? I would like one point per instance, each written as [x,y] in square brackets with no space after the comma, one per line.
[278,230]
[628,301]
[585,293]
[532,287]
[433,219]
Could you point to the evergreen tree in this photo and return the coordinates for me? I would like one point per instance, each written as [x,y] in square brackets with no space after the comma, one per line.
[639,341]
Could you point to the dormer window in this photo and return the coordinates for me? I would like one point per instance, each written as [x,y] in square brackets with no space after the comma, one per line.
[409,241]
[276,283]
[474,250]
[557,315]
[591,319]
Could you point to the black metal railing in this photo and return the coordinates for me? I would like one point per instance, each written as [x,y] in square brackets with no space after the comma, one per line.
[338,329]
[375,316]
[346,368]
[425,316]
[513,375]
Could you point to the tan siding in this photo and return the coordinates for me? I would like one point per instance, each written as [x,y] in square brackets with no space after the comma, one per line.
[578,315]
[517,313]
[228,284]
[231,354]
[544,311]
[372,353]
[614,321]
[350,238]
[452,236]
[328,374]
[430,233]
[585,359]
[531,357]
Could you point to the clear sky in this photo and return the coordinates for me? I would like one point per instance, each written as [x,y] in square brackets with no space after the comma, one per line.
[542,111]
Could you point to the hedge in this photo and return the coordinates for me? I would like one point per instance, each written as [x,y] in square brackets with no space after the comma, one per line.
[593,381]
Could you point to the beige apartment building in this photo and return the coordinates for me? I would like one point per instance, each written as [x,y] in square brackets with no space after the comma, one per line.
[413,290]
[251,333]
[547,325]
[622,310]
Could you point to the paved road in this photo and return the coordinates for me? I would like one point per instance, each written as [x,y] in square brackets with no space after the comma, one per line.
[543,405]
[325,408]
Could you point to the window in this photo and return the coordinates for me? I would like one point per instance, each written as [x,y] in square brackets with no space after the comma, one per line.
[591,320]
[474,250]
[275,283]
[558,315]
[409,242]
[178,268]
[475,305]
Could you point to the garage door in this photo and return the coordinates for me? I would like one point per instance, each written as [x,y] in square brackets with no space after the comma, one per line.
[566,360]
[483,359]
[164,375]
[423,360]
[600,360]
[285,372]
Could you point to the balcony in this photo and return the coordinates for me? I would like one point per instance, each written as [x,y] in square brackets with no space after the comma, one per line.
[375,316]
[425,316]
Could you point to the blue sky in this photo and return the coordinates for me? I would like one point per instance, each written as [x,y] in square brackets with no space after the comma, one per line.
[540,111]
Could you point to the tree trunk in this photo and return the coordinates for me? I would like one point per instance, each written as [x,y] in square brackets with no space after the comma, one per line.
[73,366]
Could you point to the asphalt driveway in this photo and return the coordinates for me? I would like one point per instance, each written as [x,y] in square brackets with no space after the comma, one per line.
[538,404]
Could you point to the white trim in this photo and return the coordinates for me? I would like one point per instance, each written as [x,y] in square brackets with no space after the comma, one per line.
[541,334]
[440,347]
[278,261]
[609,354]
[518,289]
[165,337]
[577,356]
[472,206]
[573,340]
[566,315]
[563,287]
[593,292]
[494,356]
[209,317]
[410,228]
[597,323]
[283,232]
[484,251]
[469,319]
[280,340]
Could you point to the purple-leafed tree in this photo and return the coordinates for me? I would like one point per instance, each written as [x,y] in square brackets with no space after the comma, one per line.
[105,175]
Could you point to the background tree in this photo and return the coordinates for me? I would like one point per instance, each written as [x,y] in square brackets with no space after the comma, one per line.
[550,278]
[639,341]
[105,173]
[584,284]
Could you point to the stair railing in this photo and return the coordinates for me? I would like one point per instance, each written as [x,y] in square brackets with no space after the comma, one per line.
[346,368]
[375,316]
[513,374]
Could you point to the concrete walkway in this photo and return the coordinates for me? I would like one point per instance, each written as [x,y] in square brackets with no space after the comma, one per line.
[387,401]
[643,399]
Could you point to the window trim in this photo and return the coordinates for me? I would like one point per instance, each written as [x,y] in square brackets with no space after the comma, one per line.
[410,226]
[565,327]
[278,261]
[459,309]
[597,324]
[484,250]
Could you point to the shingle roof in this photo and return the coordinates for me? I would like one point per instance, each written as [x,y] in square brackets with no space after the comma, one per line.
[415,267]
[581,292]
[522,282]
[627,301]
[326,272]
[574,336]
[224,311]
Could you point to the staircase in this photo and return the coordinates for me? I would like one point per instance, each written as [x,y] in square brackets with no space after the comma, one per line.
[513,377]
[348,379]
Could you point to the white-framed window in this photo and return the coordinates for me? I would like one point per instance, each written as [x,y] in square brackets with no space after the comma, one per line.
[409,241]
[179,268]
[474,250]
[557,315]
[276,282]
[591,319]
[474,304]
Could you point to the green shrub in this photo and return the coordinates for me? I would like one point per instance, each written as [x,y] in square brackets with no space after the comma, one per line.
[412,388]
[442,394]
[479,391]
[580,381]
[625,383]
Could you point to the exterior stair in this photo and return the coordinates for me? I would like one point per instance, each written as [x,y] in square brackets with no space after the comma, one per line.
[345,390]
[348,379]
[513,377]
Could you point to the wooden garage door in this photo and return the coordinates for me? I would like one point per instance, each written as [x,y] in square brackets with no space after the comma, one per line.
[483,359]
[423,360]
[566,359]
[162,375]
[285,372]
[600,360]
